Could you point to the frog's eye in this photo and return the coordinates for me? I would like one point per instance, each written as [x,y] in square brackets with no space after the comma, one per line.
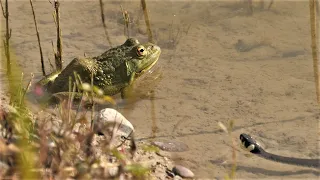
[141,51]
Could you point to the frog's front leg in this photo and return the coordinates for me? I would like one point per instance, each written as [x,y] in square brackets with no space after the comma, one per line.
[126,92]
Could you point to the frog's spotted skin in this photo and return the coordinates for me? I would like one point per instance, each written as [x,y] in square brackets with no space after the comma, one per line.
[113,71]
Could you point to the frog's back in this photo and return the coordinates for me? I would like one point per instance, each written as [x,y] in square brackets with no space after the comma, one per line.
[116,56]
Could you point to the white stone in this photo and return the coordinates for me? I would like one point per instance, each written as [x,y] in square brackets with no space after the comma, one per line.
[110,120]
[182,171]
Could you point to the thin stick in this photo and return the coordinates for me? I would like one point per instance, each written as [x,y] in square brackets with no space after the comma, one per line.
[51,66]
[104,23]
[8,35]
[250,7]
[92,108]
[314,45]
[39,42]
[126,20]
[146,18]
[137,21]
[58,53]
[271,2]
[153,115]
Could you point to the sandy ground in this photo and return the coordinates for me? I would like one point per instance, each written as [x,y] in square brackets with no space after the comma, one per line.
[255,70]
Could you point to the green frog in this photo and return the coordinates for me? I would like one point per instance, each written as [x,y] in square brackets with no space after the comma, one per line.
[113,71]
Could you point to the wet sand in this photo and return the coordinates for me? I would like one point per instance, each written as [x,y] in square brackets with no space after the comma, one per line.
[256,70]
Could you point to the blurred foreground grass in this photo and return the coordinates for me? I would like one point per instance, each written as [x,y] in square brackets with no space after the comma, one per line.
[42,149]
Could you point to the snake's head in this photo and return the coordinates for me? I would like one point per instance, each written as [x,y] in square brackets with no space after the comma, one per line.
[250,144]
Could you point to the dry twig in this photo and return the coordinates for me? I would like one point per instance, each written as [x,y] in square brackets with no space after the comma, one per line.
[146,18]
[6,42]
[104,23]
[39,42]
[126,20]
[314,45]
[58,53]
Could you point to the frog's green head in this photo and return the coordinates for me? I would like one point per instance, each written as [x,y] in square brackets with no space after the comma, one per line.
[144,56]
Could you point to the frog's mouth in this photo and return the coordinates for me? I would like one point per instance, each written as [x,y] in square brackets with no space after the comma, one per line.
[149,66]
[155,56]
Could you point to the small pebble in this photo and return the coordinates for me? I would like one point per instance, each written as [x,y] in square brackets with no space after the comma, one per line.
[3,167]
[182,171]
[113,171]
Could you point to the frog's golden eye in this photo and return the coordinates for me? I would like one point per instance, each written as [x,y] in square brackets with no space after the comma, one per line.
[141,51]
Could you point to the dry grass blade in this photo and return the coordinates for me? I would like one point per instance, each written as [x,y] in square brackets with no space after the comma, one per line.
[104,23]
[38,36]
[146,18]
[20,123]
[228,130]
[314,25]
[24,91]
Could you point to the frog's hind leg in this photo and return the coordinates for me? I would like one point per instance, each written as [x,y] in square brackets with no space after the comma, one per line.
[84,67]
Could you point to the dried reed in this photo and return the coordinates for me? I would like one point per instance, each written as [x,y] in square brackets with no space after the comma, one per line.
[39,42]
[58,53]
[6,43]
[104,23]
[126,20]
[250,7]
[271,2]
[314,25]
[146,18]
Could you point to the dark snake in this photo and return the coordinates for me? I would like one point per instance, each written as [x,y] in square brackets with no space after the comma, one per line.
[250,144]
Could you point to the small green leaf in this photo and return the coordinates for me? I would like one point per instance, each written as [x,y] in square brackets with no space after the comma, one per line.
[150,148]
[137,170]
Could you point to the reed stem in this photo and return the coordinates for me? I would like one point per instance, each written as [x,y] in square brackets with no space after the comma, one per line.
[146,18]
[314,25]
[39,42]
[6,42]
[104,22]
[58,53]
